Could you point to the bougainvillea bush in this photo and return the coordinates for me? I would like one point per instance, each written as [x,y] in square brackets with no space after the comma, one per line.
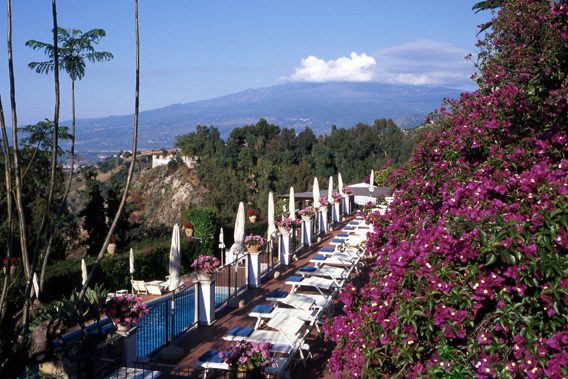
[471,275]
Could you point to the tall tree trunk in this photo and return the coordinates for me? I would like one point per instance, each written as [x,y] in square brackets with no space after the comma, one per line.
[64,200]
[130,171]
[9,210]
[29,275]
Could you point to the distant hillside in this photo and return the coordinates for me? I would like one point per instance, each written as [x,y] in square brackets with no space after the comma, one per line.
[292,105]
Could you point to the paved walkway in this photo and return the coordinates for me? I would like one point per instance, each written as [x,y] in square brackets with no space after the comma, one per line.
[201,339]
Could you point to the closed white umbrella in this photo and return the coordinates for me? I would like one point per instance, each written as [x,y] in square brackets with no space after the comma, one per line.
[372,182]
[222,245]
[340,183]
[131,261]
[239,233]
[271,224]
[175,261]
[36,285]
[292,204]
[84,273]
[330,190]
[316,193]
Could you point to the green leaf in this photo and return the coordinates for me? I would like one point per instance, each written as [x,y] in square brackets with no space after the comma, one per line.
[490,259]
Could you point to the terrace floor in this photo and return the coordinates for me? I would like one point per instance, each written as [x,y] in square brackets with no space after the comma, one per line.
[201,339]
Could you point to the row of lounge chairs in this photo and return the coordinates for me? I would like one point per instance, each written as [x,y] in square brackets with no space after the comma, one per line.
[293,314]
[153,288]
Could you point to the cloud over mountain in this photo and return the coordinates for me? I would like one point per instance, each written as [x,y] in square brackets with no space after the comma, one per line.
[423,62]
[357,68]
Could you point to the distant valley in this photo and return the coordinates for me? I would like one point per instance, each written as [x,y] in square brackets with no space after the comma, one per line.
[292,105]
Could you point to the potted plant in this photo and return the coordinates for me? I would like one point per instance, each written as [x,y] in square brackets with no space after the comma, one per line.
[336,197]
[324,202]
[205,266]
[347,191]
[252,215]
[188,228]
[13,263]
[253,243]
[111,248]
[125,310]
[286,224]
[249,356]
[306,213]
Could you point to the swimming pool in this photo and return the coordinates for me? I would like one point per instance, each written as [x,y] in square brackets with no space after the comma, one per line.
[155,329]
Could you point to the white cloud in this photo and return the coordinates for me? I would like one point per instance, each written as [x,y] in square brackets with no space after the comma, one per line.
[422,62]
[354,69]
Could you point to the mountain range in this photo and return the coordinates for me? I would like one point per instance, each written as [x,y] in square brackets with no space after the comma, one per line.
[291,105]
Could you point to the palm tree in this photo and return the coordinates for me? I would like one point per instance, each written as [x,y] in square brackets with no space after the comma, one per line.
[487,5]
[74,49]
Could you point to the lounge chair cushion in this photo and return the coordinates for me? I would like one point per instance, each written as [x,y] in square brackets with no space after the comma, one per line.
[240,331]
[349,228]
[212,356]
[263,308]
[342,235]
[295,278]
[319,258]
[337,240]
[307,269]
[278,294]
[327,250]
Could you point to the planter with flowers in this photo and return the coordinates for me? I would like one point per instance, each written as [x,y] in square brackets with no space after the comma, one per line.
[250,357]
[252,215]
[125,310]
[323,203]
[253,243]
[111,248]
[188,229]
[347,191]
[336,197]
[306,213]
[205,266]
[286,225]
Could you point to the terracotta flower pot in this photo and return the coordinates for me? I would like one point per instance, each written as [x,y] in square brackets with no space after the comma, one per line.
[253,248]
[252,218]
[111,248]
[189,232]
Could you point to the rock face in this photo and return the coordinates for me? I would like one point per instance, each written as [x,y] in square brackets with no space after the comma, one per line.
[160,194]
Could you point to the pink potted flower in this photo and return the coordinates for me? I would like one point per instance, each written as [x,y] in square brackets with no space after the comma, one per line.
[205,266]
[253,243]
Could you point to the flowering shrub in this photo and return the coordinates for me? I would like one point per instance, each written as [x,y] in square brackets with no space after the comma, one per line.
[187,225]
[347,191]
[243,354]
[125,309]
[252,212]
[287,223]
[307,212]
[337,196]
[324,201]
[470,277]
[253,241]
[207,264]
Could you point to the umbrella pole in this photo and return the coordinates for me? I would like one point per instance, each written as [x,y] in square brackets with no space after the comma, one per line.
[131,279]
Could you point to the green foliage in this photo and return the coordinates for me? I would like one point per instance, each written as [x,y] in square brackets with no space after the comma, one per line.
[205,226]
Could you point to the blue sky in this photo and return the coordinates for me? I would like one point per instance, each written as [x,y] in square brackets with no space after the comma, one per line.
[197,50]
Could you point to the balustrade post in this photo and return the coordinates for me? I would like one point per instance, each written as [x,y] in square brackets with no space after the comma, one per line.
[254,270]
[206,300]
[324,226]
[284,247]
[336,209]
[307,231]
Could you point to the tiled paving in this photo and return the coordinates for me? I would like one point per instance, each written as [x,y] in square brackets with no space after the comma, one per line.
[201,339]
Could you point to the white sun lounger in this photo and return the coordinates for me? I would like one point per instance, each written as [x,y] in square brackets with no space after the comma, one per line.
[337,274]
[210,361]
[320,284]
